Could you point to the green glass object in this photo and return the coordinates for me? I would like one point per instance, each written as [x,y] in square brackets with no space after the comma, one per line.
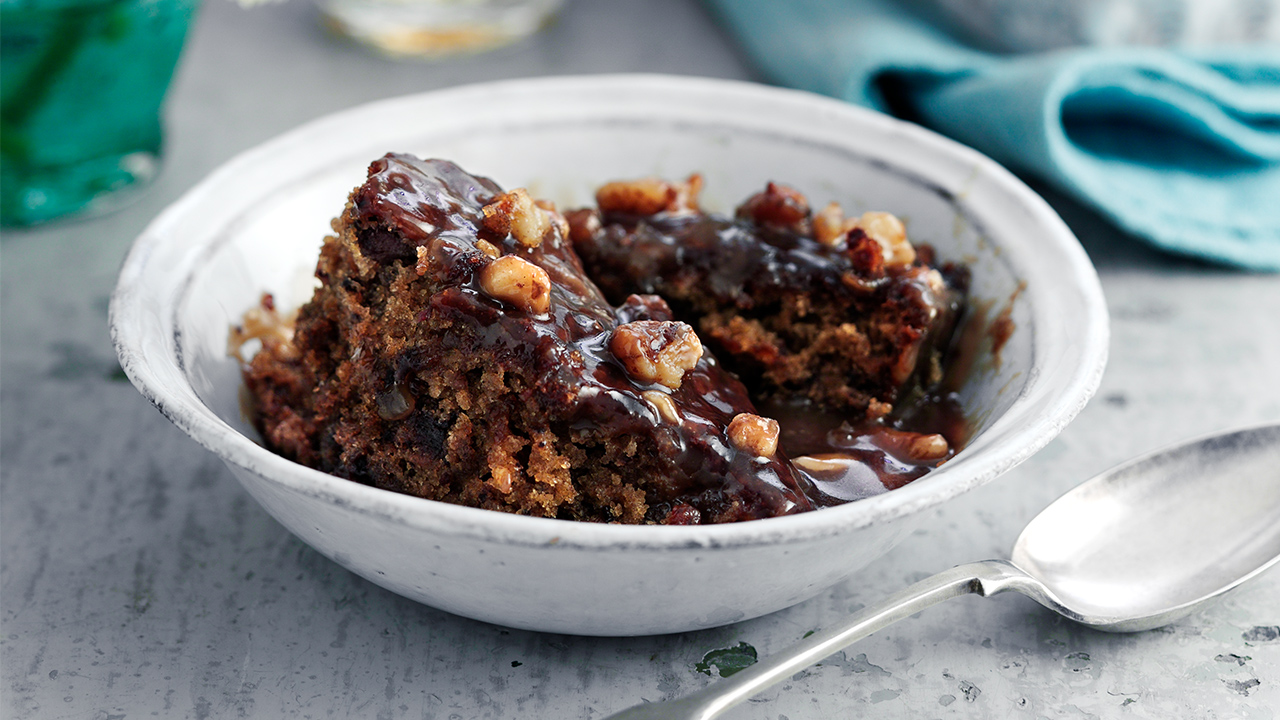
[81,85]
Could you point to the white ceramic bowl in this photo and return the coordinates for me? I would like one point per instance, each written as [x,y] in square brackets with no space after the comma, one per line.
[256,224]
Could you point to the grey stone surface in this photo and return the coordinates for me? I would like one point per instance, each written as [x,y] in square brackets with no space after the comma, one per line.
[138,580]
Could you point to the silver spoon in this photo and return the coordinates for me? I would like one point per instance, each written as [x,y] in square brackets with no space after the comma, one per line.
[1135,548]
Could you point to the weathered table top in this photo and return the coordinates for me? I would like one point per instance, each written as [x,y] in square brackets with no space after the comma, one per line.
[139,579]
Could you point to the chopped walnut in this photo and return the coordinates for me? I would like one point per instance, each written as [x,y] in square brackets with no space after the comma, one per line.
[887,230]
[517,214]
[644,307]
[266,325]
[905,365]
[818,465]
[665,406]
[912,446]
[646,196]
[929,447]
[583,224]
[829,225]
[754,434]
[519,282]
[561,223]
[656,351]
[483,246]
[866,255]
[778,205]
[687,194]
[649,196]
[934,280]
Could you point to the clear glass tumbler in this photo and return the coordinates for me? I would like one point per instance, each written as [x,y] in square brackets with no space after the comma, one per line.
[436,28]
[81,87]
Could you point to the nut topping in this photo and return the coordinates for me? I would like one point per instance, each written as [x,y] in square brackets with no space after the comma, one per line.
[928,447]
[268,326]
[665,406]
[829,225]
[912,446]
[778,205]
[887,230]
[687,194]
[519,282]
[516,213]
[656,351]
[583,225]
[646,196]
[866,255]
[561,223]
[754,434]
[818,465]
[649,196]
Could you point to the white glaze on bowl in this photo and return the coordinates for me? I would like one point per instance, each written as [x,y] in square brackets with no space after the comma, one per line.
[256,225]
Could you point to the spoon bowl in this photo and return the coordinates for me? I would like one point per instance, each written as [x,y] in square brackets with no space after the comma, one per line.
[1135,548]
[1152,540]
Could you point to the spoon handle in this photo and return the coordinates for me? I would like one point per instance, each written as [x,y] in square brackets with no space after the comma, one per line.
[983,578]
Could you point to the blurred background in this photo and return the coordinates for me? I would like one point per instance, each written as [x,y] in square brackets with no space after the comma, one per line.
[1034,25]
[1112,102]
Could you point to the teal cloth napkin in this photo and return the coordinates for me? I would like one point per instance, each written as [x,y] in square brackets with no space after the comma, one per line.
[1180,148]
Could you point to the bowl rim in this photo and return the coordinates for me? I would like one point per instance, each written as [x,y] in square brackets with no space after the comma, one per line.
[1025,428]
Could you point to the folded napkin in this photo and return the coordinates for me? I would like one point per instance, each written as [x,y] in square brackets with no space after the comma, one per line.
[1181,148]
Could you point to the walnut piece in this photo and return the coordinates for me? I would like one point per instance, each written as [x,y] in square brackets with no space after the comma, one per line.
[825,465]
[583,224]
[519,282]
[517,214]
[829,225]
[687,194]
[267,325]
[866,255]
[887,230]
[656,351]
[646,196]
[649,196]
[665,406]
[929,447]
[557,219]
[912,446]
[483,246]
[778,205]
[754,434]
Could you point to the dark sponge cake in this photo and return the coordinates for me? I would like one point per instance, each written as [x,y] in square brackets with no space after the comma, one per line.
[844,315]
[456,351]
